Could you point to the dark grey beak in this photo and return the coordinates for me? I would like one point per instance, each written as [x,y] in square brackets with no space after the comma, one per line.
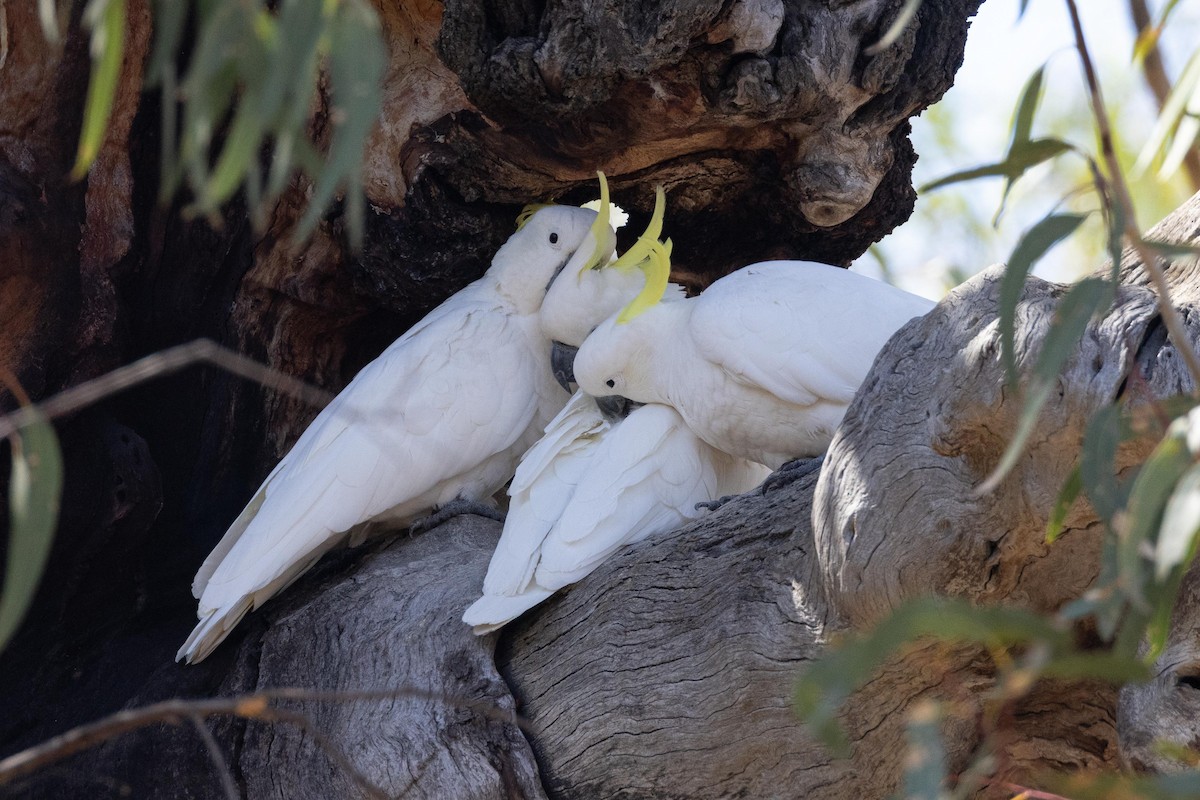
[562,363]
[613,406]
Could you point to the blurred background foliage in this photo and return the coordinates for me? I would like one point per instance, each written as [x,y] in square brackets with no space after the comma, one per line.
[951,234]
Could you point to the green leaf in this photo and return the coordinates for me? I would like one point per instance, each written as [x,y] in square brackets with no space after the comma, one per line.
[1070,320]
[356,62]
[169,18]
[1168,249]
[1110,667]
[826,683]
[1152,488]
[1033,245]
[1171,113]
[1176,543]
[1021,157]
[241,146]
[925,761]
[986,171]
[1031,96]
[107,21]
[1062,505]
[34,491]
[1096,461]
[1158,626]
[907,12]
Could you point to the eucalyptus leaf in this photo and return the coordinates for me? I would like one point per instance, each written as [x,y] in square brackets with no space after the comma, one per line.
[1176,540]
[1067,495]
[1153,486]
[1096,459]
[1031,96]
[356,62]
[1070,319]
[1033,245]
[1021,158]
[34,493]
[826,683]
[106,18]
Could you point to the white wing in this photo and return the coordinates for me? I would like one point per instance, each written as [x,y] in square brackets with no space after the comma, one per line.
[541,489]
[801,330]
[451,393]
[645,478]
[612,485]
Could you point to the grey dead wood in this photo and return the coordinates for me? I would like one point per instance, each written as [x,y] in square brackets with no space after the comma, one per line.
[667,673]
[775,134]
[389,623]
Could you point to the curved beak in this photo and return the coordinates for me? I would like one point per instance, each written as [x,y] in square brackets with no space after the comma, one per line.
[562,363]
[613,406]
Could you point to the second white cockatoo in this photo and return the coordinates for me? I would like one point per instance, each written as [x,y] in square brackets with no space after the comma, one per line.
[441,416]
[762,364]
[577,303]
[590,486]
[593,483]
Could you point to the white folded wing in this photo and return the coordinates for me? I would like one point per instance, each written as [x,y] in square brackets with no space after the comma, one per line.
[430,419]
[589,487]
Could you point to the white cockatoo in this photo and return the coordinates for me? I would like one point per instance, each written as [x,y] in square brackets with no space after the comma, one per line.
[575,305]
[441,416]
[590,486]
[762,364]
[594,483]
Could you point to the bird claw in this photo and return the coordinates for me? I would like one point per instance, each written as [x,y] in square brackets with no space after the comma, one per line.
[455,508]
[791,472]
[713,505]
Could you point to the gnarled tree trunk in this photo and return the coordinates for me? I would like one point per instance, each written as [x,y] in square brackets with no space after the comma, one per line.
[668,671]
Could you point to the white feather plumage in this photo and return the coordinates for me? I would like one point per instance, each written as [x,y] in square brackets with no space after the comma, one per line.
[590,486]
[444,413]
[762,364]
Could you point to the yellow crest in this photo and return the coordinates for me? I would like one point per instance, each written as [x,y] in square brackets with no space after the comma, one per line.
[657,266]
[528,211]
[599,225]
[646,243]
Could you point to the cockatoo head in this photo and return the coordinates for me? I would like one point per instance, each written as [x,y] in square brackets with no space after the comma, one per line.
[575,305]
[577,302]
[550,240]
[618,359]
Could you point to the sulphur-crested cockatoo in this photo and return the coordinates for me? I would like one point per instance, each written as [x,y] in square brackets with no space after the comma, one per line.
[591,485]
[576,304]
[762,364]
[441,416]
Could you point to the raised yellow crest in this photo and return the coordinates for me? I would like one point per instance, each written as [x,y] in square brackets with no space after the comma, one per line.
[657,266]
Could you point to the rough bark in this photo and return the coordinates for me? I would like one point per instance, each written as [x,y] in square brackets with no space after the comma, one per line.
[667,673]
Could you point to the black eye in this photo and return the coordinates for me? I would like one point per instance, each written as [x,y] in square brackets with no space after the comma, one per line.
[610,383]
[554,238]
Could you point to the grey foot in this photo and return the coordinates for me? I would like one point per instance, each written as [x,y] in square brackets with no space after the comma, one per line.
[713,505]
[791,472]
[455,508]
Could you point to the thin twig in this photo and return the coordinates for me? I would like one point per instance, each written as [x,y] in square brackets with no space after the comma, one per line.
[164,362]
[1170,316]
[228,784]
[249,706]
